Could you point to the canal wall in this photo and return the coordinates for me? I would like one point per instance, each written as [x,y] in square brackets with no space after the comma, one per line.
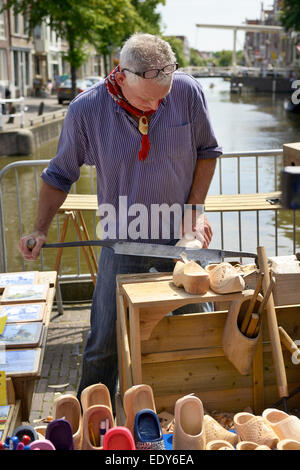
[18,142]
[269,84]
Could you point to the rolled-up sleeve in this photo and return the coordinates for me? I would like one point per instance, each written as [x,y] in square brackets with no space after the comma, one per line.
[205,139]
[64,168]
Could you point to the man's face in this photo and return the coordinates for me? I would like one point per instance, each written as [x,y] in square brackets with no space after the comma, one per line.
[143,94]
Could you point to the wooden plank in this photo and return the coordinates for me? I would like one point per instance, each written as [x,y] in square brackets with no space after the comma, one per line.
[213,203]
[166,294]
[189,376]
[135,344]
[180,332]
[231,401]
[258,378]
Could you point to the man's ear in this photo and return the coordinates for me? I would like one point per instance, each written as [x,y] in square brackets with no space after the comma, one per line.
[120,78]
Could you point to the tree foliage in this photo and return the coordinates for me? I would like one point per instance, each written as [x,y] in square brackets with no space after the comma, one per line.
[177,46]
[290,15]
[104,24]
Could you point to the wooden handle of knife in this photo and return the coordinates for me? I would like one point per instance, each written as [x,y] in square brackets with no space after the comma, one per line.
[273,327]
[31,244]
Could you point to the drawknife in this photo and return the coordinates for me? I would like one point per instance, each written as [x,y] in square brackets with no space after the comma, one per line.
[204,255]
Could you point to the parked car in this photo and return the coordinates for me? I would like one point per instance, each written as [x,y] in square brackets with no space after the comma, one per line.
[64,92]
[94,79]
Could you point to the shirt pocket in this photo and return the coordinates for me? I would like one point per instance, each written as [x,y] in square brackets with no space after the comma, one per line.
[178,141]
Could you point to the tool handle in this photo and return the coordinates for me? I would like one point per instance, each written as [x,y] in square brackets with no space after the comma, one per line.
[273,327]
[31,243]
[287,341]
[252,325]
[251,306]
[266,296]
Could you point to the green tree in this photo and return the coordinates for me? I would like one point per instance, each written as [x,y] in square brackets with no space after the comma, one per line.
[104,24]
[195,59]
[290,15]
[223,58]
[177,46]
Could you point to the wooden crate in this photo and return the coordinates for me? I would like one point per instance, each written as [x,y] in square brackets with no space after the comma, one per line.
[178,355]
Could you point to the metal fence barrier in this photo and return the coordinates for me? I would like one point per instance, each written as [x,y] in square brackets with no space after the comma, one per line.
[19,197]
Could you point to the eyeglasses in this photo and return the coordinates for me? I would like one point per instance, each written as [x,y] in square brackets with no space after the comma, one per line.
[153,73]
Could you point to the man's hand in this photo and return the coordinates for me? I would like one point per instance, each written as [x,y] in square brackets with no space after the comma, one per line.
[197,226]
[32,254]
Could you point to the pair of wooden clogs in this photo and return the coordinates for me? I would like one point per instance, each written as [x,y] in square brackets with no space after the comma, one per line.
[222,278]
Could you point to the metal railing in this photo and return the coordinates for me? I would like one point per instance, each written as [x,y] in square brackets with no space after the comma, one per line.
[20,114]
[19,197]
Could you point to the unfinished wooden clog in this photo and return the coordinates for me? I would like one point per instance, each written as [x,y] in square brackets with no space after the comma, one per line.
[288,444]
[189,431]
[247,445]
[224,278]
[67,406]
[254,429]
[137,398]
[214,431]
[219,445]
[191,276]
[285,426]
[92,418]
[237,347]
[96,394]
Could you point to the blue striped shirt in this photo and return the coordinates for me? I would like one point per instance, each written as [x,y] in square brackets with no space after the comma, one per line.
[97,131]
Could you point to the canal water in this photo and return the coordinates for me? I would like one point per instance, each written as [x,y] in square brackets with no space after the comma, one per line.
[241,122]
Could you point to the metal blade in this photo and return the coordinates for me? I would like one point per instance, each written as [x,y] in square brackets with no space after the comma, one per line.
[157,251]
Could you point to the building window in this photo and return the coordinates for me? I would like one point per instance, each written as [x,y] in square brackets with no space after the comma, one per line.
[16,23]
[27,68]
[16,68]
[2,22]
[3,65]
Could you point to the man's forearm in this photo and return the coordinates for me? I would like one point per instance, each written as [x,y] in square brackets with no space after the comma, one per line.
[203,174]
[50,200]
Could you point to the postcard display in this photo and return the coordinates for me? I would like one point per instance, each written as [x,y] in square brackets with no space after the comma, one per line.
[25,307]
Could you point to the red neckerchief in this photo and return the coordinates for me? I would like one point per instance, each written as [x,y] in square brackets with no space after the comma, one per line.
[116,93]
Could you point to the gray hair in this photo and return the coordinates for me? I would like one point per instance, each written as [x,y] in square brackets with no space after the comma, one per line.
[143,52]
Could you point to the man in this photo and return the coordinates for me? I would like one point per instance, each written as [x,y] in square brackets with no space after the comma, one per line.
[147,131]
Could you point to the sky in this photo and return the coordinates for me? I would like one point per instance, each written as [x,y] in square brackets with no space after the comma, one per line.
[179,17]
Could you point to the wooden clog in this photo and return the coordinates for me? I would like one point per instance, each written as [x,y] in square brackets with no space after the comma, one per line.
[189,431]
[254,429]
[288,444]
[285,426]
[224,278]
[191,276]
[248,445]
[214,431]
[96,394]
[218,444]
[92,418]
[137,398]
[67,406]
